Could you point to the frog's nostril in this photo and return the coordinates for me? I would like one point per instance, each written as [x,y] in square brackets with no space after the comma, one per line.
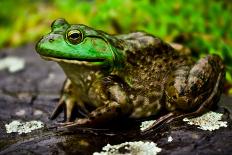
[51,40]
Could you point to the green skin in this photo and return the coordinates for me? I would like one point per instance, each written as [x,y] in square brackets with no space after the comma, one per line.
[133,75]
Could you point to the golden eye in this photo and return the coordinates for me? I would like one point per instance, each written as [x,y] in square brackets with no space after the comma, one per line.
[74,36]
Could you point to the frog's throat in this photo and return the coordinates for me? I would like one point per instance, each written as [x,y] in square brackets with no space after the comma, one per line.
[69,61]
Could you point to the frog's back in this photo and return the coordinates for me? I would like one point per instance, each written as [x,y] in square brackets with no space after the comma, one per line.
[146,47]
[148,57]
[150,62]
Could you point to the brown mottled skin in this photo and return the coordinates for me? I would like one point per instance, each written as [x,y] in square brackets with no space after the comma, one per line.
[154,80]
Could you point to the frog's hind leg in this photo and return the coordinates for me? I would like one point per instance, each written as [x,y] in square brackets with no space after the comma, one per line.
[192,100]
[202,87]
[208,103]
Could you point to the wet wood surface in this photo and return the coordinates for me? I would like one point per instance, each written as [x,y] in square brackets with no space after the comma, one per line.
[35,91]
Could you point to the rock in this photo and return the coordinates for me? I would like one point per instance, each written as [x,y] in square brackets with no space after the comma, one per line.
[32,93]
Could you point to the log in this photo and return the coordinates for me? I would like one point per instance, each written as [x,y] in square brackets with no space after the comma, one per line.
[33,92]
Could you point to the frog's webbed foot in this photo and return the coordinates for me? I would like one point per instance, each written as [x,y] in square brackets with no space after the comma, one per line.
[68,104]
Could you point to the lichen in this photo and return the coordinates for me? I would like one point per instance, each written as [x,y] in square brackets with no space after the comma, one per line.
[130,148]
[146,124]
[13,64]
[209,121]
[21,127]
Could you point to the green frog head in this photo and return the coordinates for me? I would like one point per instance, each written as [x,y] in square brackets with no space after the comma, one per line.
[80,44]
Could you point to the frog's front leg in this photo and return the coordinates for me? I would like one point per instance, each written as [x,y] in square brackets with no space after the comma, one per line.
[112,100]
[68,102]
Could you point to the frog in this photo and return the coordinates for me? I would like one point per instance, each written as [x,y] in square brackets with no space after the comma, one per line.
[134,75]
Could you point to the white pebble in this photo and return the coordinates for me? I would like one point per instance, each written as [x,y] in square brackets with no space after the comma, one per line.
[170,139]
[21,112]
[37,112]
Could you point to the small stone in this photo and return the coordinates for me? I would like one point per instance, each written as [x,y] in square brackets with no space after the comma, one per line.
[170,139]
[21,112]
[37,112]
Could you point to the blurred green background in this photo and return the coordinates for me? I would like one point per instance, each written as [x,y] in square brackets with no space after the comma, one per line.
[204,26]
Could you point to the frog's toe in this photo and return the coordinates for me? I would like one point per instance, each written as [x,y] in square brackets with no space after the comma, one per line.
[64,105]
[161,121]
[82,121]
[58,109]
[63,123]
[78,122]
[69,109]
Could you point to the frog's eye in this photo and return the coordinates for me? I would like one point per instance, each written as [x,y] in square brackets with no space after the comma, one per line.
[74,36]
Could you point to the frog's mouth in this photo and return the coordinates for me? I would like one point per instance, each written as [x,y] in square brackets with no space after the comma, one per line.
[86,62]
